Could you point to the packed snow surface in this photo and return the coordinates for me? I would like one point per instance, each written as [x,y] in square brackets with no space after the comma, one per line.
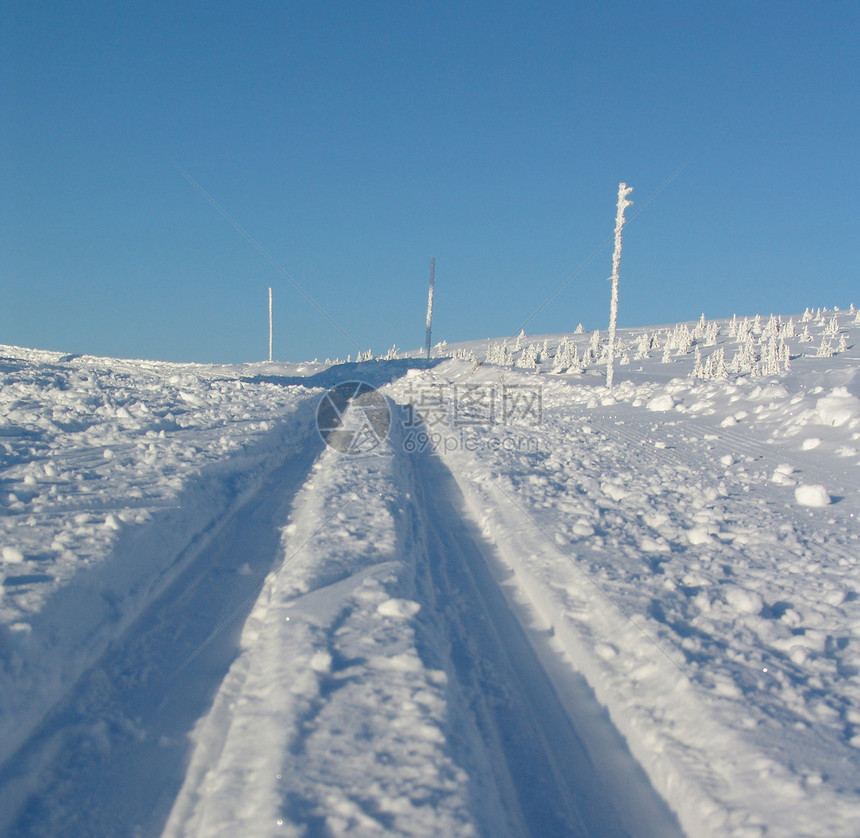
[522,604]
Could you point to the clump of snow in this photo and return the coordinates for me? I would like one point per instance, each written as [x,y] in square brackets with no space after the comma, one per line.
[743,600]
[12,555]
[400,609]
[661,402]
[782,475]
[698,536]
[812,495]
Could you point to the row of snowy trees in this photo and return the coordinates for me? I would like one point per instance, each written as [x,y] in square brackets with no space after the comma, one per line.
[762,346]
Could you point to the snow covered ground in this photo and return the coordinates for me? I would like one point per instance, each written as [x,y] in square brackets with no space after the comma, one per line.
[519,604]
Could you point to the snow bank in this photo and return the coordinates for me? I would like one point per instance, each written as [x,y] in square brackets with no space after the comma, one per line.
[114,479]
[839,408]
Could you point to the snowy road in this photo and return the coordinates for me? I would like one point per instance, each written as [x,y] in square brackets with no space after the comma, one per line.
[544,608]
[246,656]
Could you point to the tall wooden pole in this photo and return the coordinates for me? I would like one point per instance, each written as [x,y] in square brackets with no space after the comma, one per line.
[623,191]
[429,308]
[270,324]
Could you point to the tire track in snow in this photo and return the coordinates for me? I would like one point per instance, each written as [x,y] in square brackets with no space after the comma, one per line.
[110,758]
[542,767]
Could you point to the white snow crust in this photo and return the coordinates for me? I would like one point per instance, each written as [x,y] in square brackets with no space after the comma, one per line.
[534,592]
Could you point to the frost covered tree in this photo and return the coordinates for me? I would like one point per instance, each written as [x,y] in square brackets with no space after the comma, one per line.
[623,191]
[560,353]
[520,338]
[595,348]
[680,339]
[771,359]
[705,332]
[529,358]
[745,361]
[784,355]
[715,366]
[566,357]
[500,354]
[580,329]
[643,347]
[667,351]
[698,367]
[825,350]
[771,330]
[712,332]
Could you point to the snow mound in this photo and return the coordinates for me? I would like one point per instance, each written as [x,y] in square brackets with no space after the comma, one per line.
[401,609]
[782,475]
[811,495]
[12,555]
[660,403]
[839,408]
[743,600]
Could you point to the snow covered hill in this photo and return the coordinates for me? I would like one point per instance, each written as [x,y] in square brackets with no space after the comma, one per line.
[503,600]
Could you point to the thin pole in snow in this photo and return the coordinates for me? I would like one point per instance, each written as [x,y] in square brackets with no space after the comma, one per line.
[623,191]
[270,323]
[429,308]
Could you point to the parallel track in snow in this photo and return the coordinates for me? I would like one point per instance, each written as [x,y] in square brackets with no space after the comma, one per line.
[538,756]
[111,758]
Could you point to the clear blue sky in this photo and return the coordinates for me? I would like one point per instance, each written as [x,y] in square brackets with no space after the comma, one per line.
[355,141]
